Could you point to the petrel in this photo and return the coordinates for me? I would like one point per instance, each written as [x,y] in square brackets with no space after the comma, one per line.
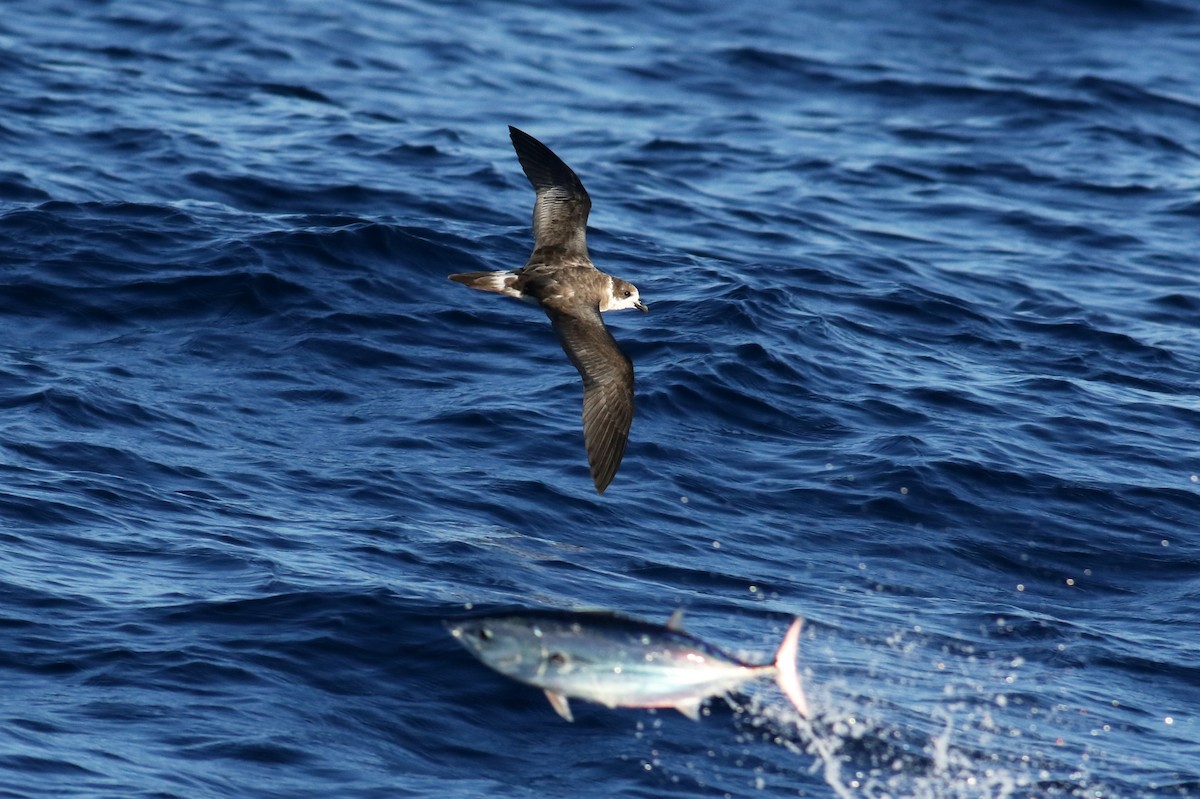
[561,279]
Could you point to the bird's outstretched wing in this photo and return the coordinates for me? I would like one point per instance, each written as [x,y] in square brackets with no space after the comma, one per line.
[607,387]
[561,210]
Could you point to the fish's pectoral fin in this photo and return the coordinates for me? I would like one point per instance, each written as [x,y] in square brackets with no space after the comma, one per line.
[560,704]
[676,621]
[690,708]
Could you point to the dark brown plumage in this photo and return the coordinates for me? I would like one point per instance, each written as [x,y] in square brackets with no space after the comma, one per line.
[561,279]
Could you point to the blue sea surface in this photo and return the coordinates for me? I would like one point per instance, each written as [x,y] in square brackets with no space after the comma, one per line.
[922,366]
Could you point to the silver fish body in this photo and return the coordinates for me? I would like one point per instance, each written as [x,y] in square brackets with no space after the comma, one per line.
[618,661]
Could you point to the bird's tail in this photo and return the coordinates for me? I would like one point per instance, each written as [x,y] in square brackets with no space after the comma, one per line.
[499,282]
[785,668]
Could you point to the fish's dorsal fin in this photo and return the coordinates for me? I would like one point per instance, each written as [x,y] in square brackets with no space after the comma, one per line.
[690,708]
[560,704]
[676,621]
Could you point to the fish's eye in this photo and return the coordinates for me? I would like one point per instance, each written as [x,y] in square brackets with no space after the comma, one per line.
[557,659]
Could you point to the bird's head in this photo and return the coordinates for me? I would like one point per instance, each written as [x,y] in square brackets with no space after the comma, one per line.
[624,295]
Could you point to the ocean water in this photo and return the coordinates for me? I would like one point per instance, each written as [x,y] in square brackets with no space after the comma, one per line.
[921,366]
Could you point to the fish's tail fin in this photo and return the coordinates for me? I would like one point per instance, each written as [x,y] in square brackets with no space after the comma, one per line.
[500,282]
[786,673]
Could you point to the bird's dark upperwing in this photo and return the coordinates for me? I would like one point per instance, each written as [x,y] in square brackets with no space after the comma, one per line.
[561,210]
[607,387]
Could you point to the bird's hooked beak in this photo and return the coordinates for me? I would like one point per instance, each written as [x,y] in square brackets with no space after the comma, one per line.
[641,306]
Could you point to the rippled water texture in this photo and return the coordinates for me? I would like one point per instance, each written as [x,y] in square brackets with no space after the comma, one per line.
[921,367]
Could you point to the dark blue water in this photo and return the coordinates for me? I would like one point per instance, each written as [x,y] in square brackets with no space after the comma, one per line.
[922,366]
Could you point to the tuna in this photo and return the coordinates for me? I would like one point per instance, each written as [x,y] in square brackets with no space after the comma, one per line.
[618,661]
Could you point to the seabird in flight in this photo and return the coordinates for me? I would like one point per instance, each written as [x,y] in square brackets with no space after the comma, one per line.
[561,279]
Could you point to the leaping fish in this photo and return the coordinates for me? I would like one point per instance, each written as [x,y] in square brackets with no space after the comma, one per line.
[561,279]
[618,661]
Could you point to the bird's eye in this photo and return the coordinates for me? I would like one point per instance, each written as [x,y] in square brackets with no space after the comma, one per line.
[628,293]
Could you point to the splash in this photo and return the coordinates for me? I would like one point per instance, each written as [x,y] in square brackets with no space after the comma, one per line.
[860,757]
